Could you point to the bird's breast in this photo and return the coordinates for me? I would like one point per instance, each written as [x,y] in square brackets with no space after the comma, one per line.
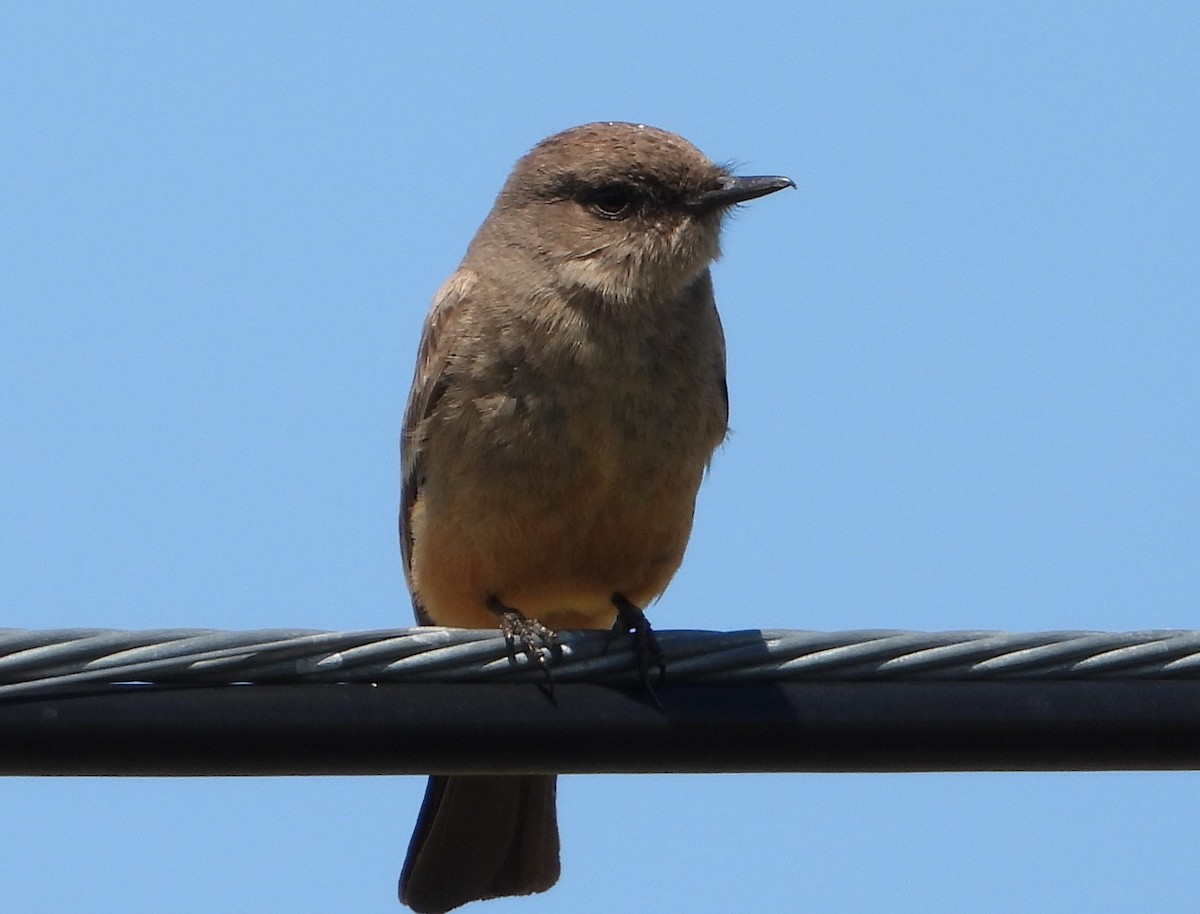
[561,481]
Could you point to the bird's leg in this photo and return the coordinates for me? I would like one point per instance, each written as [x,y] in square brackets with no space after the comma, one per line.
[630,618]
[516,626]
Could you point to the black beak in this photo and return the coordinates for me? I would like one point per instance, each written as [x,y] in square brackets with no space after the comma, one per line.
[733,190]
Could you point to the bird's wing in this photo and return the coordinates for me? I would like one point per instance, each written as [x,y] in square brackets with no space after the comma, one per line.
[429,383]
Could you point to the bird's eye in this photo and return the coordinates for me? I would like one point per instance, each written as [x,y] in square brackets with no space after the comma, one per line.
[613,201]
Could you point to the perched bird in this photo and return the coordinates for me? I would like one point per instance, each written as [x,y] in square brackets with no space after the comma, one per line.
[569,394]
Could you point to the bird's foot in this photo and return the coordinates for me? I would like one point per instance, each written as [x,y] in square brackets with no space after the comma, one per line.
[630,618]
[532,635]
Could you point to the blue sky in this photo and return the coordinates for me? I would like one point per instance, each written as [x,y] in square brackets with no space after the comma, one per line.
[964,362]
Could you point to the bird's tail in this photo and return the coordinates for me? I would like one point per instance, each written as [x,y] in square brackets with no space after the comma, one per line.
[481,836]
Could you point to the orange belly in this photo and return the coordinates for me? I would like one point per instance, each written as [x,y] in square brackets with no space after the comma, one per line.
[556,554]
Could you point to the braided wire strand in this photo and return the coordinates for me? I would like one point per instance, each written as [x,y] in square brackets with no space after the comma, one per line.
[36,662]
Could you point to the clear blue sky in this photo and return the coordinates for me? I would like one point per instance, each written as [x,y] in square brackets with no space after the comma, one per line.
[964,366]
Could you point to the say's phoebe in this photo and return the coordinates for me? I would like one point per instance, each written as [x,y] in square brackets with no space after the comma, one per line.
[568,396]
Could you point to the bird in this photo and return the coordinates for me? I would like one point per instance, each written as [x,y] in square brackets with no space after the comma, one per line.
[569,394]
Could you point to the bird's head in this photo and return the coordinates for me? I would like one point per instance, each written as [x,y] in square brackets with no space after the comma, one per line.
[621,210]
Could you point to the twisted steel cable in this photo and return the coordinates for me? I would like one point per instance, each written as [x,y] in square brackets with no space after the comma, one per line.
[44,662]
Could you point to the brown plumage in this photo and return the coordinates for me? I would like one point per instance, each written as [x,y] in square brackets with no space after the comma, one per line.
[568,396]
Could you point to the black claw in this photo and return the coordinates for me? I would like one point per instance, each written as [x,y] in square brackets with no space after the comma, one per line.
[630,618]
[533,635]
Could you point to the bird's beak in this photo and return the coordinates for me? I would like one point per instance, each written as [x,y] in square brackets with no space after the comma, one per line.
[733,190]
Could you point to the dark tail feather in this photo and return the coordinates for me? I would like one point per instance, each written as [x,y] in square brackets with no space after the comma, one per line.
[481,836]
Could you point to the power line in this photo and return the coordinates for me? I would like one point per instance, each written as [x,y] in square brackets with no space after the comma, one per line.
[197,702]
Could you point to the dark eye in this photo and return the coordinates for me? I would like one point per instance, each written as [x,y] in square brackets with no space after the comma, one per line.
[613,201]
